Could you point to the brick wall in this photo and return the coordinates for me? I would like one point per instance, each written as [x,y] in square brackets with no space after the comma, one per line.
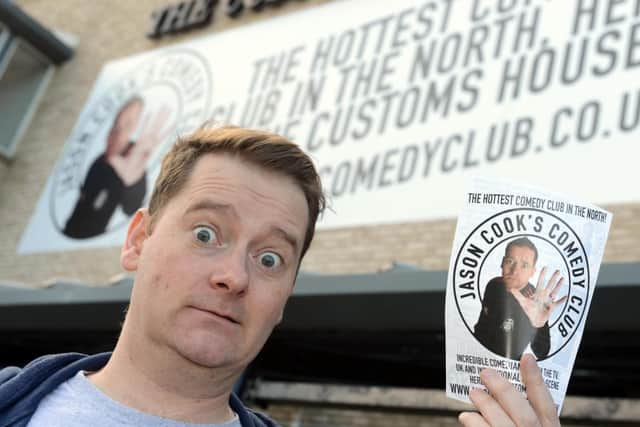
[428,244]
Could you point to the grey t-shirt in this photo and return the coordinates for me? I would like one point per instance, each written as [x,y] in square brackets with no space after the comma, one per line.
[78,403]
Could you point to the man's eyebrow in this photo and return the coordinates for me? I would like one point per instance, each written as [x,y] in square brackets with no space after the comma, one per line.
[210,205]
[207,205]
[289,238]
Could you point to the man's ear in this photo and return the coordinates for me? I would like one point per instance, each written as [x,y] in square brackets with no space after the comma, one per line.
[136,235]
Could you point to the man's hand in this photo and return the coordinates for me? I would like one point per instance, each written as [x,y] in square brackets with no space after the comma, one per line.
[539,306]
[155,130]
[505,406]
[130,166]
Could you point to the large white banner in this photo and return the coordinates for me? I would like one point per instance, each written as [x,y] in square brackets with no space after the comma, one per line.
[398,103]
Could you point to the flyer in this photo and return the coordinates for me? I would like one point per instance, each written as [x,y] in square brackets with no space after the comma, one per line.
[523,269]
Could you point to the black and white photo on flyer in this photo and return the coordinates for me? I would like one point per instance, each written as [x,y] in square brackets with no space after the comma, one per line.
[522,273]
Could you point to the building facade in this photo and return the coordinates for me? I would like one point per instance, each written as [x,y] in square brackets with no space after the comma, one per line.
[595,164]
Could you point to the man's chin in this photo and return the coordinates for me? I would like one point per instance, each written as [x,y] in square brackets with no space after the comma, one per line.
[204,350]
[205,358]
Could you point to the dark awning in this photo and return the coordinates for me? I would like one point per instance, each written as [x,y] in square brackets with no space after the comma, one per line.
[383,328]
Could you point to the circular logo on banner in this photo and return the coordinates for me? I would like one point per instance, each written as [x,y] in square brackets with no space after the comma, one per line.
[108,167]
[521,281]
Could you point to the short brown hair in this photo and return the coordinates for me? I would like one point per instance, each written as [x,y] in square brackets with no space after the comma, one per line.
[267,150]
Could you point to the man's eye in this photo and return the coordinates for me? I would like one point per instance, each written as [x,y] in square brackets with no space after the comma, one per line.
[270,260]
[205,234]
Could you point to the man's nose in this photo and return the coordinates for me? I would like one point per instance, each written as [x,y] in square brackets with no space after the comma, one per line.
[231,272]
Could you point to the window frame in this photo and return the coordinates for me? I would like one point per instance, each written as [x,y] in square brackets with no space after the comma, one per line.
[9,46]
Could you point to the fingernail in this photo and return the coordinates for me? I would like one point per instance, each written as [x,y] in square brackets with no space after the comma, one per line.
[488,374]
[475,392]
[529,361]
[463,417]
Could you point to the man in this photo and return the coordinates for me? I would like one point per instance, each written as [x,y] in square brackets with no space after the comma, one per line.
[216,256]
[117,178]
[514,313]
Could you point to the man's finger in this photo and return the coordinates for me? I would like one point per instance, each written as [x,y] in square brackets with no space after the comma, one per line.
[161,118]
[552,282]
[472,419]
[168,131]
[538,393]
[540,284]
[512,402]
[556,288]
[519,297]
[554,304]
[160,128]
[490,409]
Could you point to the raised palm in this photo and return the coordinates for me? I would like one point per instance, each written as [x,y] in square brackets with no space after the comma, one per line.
[539,306]
[131,165]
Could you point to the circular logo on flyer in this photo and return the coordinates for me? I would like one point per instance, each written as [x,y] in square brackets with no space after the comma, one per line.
[521,283]
[112,157]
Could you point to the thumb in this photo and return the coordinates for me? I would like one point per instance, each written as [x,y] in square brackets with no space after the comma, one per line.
[518,296]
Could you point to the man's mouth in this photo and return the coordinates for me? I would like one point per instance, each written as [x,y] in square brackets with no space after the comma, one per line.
[509,279]
[219,314]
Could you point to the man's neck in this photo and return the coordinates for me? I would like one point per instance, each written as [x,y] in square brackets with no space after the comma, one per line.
[160,382]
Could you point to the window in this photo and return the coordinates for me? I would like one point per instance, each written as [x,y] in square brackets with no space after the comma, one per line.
[24,75]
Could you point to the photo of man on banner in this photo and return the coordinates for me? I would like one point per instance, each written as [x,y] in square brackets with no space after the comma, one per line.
[117,177]
[515,314]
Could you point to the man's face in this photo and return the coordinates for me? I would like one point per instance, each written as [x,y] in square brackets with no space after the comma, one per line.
[518,266]
[215,272]
[122,128]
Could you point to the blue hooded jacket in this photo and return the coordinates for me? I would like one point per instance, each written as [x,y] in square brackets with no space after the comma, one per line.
[21,390]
